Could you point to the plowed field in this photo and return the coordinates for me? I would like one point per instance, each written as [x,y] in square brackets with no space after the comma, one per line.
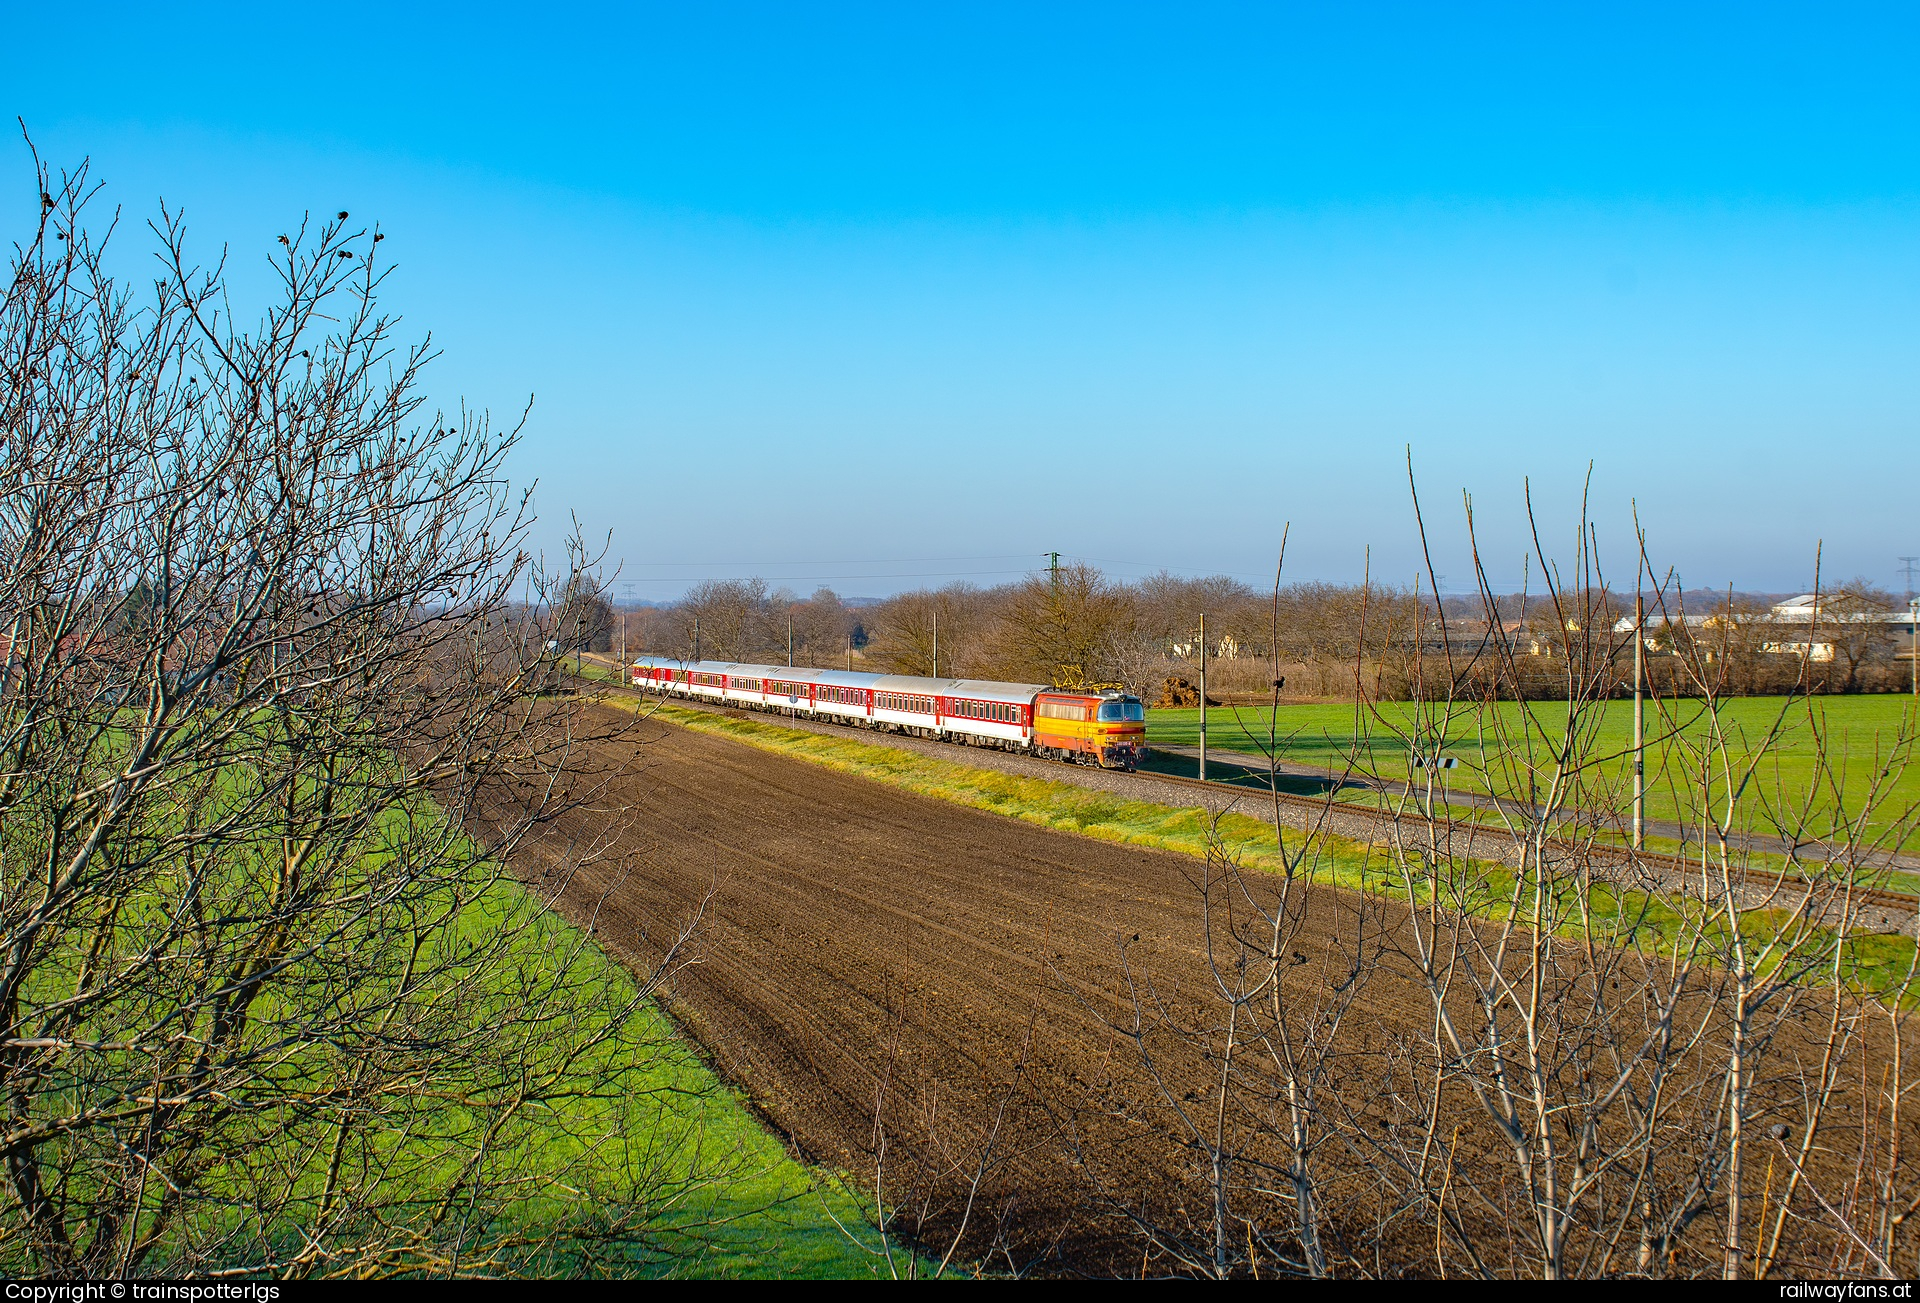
[870,953]
[939,998]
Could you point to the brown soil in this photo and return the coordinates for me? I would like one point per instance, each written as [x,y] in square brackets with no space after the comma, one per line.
[863,943]
[866,953]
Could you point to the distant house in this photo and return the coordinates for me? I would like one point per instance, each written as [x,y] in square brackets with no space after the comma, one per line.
[1805,609]
[1223,648]
[1813,651]
[1712,621]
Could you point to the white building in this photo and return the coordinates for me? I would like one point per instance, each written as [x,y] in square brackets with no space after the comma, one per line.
[1805,609]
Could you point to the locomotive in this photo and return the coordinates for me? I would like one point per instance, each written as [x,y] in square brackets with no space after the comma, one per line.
[1104,727]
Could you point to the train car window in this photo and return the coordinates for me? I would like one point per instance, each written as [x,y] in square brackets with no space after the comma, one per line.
[1131,712]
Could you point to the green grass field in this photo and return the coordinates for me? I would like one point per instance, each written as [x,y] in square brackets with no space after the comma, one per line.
[1867,740]
[633,1160]
[750,1208]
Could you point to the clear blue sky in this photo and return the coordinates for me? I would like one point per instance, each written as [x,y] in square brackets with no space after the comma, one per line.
[1219,264]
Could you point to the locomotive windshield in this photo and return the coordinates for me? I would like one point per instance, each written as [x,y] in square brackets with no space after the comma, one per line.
[1131,712]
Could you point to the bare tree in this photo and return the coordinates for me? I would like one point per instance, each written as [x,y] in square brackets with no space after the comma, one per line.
[583,618]
[821,628]
[1853,618]
[725,620]
[268,732]
[909,628]
[1066,629]
[1169,608]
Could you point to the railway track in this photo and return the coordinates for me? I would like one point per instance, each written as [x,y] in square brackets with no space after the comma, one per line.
[1672,865]
[1675,866]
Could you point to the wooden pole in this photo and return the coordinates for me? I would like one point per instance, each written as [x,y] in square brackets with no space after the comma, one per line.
[1203,696]
[789,639]
[849,651]
[1639,723]
[936,642]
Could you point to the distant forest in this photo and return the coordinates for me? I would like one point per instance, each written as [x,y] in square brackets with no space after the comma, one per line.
[1326,641]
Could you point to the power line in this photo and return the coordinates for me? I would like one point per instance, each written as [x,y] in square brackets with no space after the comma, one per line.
[1175,570]
[841,561]
[784,579]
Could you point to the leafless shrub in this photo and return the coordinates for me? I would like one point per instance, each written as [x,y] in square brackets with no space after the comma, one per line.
[1622,1064]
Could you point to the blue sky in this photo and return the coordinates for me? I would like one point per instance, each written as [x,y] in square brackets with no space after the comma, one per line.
[825,293]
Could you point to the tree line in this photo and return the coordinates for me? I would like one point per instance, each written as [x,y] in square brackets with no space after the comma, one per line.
[1080,626]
